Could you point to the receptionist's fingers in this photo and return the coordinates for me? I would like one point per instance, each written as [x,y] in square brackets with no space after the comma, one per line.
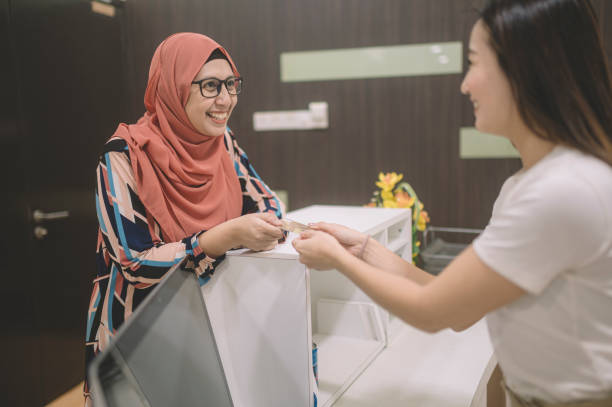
[266,226]
[270,218]
[256,233]
[271,232]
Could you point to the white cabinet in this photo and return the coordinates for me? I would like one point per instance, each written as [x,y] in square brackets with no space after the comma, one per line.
[267,308]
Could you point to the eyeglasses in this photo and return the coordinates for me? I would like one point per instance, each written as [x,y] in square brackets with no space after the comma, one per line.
[211,87]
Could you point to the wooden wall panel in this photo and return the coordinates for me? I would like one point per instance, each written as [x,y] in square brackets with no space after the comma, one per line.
[408,124]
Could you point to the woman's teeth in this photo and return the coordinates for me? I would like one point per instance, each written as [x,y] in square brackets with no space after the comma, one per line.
[217,116]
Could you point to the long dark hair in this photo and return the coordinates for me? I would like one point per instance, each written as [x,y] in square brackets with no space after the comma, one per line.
[552,53]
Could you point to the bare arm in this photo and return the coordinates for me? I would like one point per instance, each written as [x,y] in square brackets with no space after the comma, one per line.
[375,254]
[462,294]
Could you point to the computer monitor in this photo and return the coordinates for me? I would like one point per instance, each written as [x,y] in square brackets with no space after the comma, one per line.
[165,354]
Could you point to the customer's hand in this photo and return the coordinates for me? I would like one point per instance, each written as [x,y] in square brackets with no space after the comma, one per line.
[352,240]
[257,231]
[318,250]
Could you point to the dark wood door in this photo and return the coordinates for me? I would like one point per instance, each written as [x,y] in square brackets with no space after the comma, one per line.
[67,71]
[19,350]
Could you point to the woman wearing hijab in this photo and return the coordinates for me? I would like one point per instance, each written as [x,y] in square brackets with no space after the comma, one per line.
[542,269]
[174,185]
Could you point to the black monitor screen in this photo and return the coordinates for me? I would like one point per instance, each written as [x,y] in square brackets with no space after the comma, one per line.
[165,354]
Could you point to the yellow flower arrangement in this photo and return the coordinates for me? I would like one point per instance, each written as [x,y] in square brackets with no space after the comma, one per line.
[396,194]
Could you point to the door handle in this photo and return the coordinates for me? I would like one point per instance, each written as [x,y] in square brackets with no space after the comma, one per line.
[40,232]
[40,216]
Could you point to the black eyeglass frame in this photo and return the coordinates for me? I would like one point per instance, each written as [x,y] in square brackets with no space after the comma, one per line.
[222,82]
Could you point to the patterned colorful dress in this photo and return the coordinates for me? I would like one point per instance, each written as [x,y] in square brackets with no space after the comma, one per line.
[132,256]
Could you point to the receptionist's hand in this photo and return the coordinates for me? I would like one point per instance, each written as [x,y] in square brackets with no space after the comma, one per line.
[318,250]
[257,231]
[352,240]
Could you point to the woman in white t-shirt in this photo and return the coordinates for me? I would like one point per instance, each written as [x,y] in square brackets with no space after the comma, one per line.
[542,269]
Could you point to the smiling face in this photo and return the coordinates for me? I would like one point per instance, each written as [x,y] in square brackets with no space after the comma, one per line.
[495,109]
[209,116]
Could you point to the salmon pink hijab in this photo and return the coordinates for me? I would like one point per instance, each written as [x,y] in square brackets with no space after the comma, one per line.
[185,179]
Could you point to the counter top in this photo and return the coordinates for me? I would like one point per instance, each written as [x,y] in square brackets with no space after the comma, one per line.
[424,370]
[391,366]
[366,220]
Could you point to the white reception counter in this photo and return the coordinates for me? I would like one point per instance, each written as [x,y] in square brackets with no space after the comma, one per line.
[267,308]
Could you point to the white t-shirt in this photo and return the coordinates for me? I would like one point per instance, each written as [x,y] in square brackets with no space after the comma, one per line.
[551,234]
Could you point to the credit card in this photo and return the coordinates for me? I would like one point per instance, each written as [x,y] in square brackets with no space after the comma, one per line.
[293,226]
